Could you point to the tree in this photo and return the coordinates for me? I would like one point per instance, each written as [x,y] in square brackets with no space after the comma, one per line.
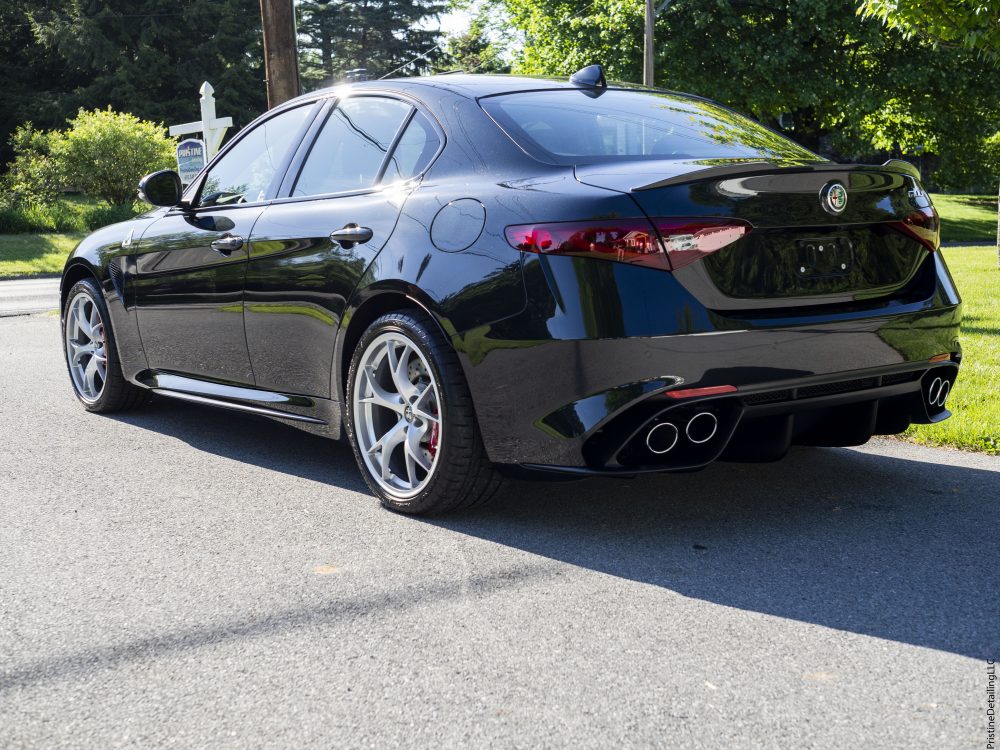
[975,25]
[148,57]
[970,23]
[838,83]
[34,77]
[381,36]
[474,51]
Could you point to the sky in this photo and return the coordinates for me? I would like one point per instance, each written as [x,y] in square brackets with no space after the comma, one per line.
[449,23]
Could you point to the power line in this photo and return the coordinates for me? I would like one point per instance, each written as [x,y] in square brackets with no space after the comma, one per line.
[418,57]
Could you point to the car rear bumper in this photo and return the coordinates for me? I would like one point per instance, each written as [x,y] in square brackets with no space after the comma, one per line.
[548,397]
[760,424]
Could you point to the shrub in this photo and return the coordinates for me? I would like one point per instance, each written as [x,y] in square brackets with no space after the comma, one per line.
[35,175]
[104,153]
[36,217]
[13,221]
[96,217]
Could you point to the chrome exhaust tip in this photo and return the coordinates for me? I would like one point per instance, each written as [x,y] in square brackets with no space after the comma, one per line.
[938,391]
[701,427]
[662,438]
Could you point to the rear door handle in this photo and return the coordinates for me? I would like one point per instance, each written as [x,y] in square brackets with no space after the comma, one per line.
[227,245]
[350,235]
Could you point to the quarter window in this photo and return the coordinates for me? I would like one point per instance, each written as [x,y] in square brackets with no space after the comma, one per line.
[415,149]
[349,151]
[245,172]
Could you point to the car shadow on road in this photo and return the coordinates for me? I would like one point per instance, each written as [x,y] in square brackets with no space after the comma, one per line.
[253,440]
[888,547]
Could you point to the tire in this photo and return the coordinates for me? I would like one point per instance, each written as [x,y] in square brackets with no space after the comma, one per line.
[430,415]
[111,392]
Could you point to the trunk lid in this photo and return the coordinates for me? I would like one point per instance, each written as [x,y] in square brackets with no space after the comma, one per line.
[811,243]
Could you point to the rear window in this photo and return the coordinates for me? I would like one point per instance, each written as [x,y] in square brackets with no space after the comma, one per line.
[569,126]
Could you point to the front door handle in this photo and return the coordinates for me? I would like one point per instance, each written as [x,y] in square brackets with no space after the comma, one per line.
[350,235]
[228,244]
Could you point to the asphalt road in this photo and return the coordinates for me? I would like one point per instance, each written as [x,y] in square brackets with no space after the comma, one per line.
[24,296]
[188,577]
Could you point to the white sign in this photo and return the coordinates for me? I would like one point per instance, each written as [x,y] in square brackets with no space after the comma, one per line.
[190,159]
[211,127]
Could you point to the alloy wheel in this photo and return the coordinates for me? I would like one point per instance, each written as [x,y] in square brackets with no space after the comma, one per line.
[86,347]
[397,415]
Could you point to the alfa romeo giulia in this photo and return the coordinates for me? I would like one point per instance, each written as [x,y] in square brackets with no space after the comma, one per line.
[471,277]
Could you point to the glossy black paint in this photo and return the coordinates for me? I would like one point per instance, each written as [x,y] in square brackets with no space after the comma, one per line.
[565,357]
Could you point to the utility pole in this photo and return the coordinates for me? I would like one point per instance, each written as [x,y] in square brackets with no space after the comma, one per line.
[281,60]
[647,52]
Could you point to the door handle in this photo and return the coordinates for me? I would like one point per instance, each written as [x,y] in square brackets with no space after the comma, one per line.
[350,235]
[228,244]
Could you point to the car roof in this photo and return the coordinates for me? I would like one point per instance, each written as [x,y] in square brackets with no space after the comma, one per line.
[472,85]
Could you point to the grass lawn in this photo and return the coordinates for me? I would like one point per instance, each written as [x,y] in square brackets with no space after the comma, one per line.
[967,218]
[974,401]
[29,254]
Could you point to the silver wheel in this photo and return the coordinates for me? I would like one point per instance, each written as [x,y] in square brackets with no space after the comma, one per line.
[397,415]
[86,347]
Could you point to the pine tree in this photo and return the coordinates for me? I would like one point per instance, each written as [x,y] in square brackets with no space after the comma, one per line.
[377,35]
[149,57]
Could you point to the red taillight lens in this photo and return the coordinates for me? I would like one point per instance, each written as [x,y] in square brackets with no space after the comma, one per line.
[627,241]
[630,240]
[688,240]
[923,225]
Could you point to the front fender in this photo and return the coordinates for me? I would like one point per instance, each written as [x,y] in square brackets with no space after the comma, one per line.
[106,256]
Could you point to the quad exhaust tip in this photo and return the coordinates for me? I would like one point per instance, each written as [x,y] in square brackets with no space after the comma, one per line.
[701,427]
[662,438]
[938,391]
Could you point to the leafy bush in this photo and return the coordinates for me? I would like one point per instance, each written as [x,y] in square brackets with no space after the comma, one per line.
[99,216]
[36,217]
[35,176]
[104,153]
[13,221]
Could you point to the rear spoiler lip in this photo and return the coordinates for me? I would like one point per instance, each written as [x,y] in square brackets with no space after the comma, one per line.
[746,169]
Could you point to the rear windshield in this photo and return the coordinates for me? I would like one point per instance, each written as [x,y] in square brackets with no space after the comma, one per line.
[570,126]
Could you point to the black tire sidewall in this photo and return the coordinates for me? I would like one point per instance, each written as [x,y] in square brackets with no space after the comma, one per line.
[113,370]
[420,335]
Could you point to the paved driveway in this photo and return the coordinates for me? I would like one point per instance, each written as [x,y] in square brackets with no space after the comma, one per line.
[188,577]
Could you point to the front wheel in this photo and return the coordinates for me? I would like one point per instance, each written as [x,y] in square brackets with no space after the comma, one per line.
[91,354]
[411,421]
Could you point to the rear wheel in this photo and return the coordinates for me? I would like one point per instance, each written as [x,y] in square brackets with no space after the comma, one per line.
[411,420]
[91,354]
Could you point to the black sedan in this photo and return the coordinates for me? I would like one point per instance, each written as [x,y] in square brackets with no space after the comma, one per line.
[471,277]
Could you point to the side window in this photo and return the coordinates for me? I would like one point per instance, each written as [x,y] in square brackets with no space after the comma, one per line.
[414,151]
[349,150]
[245,172]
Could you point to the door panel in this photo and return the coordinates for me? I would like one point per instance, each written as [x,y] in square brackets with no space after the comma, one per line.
[191,264]
[298,282]
[189,296]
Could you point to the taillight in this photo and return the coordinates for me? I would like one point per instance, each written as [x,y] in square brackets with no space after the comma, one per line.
[628,241]
[688,240]
[923,225]
[674,244]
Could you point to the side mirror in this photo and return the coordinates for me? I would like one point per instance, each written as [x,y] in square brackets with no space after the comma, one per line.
[161,188]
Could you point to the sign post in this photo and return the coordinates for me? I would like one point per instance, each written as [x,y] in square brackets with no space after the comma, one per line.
[212,128]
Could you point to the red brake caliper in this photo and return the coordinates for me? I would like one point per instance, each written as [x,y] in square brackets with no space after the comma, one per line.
[432,445]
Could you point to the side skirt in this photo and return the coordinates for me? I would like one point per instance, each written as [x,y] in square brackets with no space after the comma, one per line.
[317,415]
